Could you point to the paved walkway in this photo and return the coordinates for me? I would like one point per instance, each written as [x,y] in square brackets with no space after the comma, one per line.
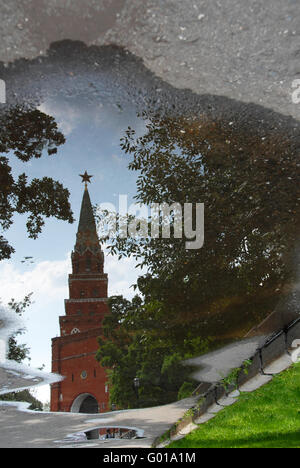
[23,428]
[215,365]
[46,430]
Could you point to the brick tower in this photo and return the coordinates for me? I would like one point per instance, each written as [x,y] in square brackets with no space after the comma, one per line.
[84,387]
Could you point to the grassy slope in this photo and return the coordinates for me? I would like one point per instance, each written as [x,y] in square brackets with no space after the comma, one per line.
[266,418]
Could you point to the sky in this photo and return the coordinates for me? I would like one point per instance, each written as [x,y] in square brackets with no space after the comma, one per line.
[92,133]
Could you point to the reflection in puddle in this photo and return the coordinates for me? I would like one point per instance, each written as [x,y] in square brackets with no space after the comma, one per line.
[240,160]
[113,433]
[105,434]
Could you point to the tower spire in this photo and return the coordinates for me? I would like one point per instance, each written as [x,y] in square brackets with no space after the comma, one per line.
[87,238]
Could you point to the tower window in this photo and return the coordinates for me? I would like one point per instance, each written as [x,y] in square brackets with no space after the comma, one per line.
[88,264]
[96,292]
[82,293]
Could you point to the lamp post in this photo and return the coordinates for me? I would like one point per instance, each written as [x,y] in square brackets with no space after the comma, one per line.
[136,384]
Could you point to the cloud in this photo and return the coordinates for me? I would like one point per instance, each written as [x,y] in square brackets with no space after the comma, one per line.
[121,275]
[47,280]
[68,118]
[117,158]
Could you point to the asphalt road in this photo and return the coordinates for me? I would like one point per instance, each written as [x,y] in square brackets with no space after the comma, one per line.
[248,51]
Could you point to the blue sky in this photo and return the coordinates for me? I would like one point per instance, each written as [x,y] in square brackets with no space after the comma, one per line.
[93,135]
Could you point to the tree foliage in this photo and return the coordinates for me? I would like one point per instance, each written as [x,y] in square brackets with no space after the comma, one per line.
[129,348]
[248,180]
[25,133]
[18,353]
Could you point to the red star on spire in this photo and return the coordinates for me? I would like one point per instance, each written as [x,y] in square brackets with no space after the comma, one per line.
[86,178]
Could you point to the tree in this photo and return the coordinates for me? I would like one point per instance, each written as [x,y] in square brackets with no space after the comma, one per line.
[18,353]
[248,179]
[115,343]
[25,133]
[129,348]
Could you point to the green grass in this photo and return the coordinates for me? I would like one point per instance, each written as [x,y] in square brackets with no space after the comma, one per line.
[266,418]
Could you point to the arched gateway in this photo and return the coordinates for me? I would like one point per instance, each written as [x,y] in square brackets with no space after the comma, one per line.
[85,403]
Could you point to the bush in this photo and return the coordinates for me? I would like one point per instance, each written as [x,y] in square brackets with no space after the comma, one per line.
[186,390]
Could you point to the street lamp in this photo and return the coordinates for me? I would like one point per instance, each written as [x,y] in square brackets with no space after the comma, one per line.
[136,384]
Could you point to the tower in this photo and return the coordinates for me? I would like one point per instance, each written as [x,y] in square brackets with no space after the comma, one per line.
[84,388]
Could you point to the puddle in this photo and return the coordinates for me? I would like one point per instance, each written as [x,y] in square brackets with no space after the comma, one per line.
[99,109]
[105,434]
